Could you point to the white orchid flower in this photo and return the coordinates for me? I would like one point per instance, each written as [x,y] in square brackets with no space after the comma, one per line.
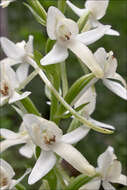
[109,169]
[66,33]
[48,136]
[6,176]
[22,137]
[90,97]
[97,10]
[5,3]
[18,53]
[9,82]
[108,64]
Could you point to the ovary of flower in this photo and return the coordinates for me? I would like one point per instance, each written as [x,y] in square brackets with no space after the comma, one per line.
[65,31]
[6,176]
[5,3]
[97,10]
[48,136]
[8,84]
[108,63]
[109,169]
[22,137]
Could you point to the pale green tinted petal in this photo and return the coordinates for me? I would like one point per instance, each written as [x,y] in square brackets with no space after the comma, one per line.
[53,16]
[100,56]
[7,167]
[77,10]
[86,56]
[11,50]
[116,88]
[93,35]
[97,8]
[44,164]
[92,185]
[56,55]
[75,136]
[74,157]
[107,186]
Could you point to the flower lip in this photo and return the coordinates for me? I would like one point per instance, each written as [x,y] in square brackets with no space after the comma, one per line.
[4,179]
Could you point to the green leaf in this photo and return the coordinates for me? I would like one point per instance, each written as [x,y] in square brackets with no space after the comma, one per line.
[62,5]
[29,106]
[82,20]
[19,186]
[52,179]
[75,90]
[38,151]
[38,18]
[78,182]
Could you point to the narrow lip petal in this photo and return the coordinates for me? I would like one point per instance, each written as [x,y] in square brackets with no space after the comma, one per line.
[11,50]
[93,35]
[116,88]
[16,97]
[58,54]
[7,167]
[44,164]
[52,18]
[86,56]
[75,136]
[112,32]
[74,157]
[77,10]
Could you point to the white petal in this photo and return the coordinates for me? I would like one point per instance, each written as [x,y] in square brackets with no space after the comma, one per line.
[114,171]
[75,136]
[56,55]
[53,16]
[92,185]
[11,50]
[100,56]
[116,88]
[120,79]
[5,144]
[44,164]
[27,150]
[86,56]
[77,10]
[97,8]
[93,35]
[20,112]
[9,61]
[122,180]
[7,167]
[22,72]
[112,32]
[105,160]
[16,97]
[8,134]
[100,124]
[15,182]
[88,97]
[74,157]
[107,186]
[29,45]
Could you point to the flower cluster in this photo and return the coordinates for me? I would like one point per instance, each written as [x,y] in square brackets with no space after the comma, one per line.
[44,139]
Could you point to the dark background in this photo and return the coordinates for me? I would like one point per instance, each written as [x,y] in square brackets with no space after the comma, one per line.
[17,23]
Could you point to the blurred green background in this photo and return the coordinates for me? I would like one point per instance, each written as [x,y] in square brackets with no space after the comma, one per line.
[110,108]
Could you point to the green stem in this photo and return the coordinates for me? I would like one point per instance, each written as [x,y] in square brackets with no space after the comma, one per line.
[64,78]
[82,20]
[60,178]
[62,5]
[65,104]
